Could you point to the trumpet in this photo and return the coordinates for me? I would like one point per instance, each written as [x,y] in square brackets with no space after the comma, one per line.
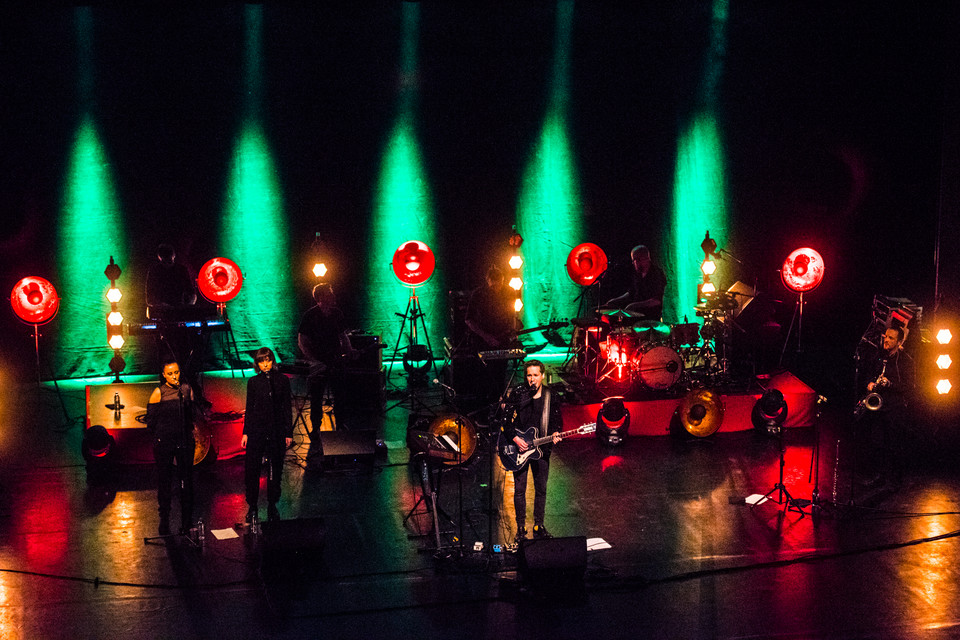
[873,401]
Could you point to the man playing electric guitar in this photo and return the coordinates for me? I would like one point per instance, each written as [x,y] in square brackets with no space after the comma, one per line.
[536,409]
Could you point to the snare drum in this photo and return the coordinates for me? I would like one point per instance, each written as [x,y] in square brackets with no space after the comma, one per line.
[659,366]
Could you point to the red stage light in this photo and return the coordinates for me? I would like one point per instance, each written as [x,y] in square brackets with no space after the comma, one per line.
[586,263]
[413,263]
[802,270]
[220,280]
[34,300]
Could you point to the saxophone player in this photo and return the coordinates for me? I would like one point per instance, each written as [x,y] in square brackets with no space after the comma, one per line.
[890,375]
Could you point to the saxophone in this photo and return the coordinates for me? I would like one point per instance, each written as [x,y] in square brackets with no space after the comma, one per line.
[873,401]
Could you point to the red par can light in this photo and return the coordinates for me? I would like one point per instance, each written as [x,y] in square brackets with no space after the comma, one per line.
[802,270]
[34,300]
[219,280]
[585,263]
[413,263]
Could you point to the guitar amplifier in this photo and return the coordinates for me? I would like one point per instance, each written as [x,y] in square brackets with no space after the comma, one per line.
[370,347]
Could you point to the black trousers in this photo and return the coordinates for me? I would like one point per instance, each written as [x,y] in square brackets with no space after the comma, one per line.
[257,448]
[541,469]
[165,453]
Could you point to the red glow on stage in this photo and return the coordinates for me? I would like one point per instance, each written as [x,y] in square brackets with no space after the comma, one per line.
[413,263]
[802,270]
[34,300]
[611,461]
[586,263]
[219,280]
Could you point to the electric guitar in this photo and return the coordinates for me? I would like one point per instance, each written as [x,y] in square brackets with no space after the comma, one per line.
[513,459]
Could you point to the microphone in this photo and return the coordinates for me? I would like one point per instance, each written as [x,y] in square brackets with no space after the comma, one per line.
[446,387]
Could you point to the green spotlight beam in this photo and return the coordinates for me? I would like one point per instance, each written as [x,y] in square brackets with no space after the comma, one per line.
[402,211]
[255,231]
[700,184]
[89,231]
[549,209]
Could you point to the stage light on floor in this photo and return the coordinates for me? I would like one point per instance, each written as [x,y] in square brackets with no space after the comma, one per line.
[417,360]
[97,444]
[613,421]
[944,336]
[515,262]
[944,361]
[944,387]
[769,412]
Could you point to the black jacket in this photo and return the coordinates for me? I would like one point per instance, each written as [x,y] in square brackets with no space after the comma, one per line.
[269,411]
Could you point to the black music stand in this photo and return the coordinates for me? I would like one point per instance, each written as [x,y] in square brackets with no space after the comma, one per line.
[426,447]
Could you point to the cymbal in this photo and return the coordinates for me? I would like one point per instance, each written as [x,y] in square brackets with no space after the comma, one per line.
[585,323]
[621,317]
[722,301]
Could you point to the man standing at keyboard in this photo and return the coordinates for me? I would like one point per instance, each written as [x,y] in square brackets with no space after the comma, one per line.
[492,324]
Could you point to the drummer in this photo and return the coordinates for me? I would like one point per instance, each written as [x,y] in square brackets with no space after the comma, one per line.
[644,299]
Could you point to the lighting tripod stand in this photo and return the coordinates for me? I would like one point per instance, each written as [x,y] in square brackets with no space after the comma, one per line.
[415,352]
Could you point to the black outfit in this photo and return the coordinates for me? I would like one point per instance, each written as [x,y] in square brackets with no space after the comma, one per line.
[171,421]
[267,423]
[530,414]
[170,294]
[323,328]
[651,286]
[884,430]
[169,287]
[491,309]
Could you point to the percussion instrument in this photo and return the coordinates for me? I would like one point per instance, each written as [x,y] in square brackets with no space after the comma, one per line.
[458,434]
[658,366]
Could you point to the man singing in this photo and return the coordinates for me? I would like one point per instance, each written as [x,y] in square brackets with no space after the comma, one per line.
[540,411]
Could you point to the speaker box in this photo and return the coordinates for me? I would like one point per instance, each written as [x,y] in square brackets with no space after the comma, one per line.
[553,561]
[348,447]
[292,548]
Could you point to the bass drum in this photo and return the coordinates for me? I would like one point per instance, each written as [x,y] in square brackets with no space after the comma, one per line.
[659,366]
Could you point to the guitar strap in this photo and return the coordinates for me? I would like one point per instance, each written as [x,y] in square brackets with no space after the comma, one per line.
[545,417]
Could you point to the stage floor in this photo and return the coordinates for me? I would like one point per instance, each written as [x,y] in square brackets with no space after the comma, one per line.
[688,558]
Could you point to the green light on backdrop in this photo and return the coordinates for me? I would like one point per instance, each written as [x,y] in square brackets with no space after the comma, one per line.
[403,211]
[90,229]
[700,186]
[255,233]
[549,210]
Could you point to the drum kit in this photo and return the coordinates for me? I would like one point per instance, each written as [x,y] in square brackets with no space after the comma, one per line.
[620,350]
